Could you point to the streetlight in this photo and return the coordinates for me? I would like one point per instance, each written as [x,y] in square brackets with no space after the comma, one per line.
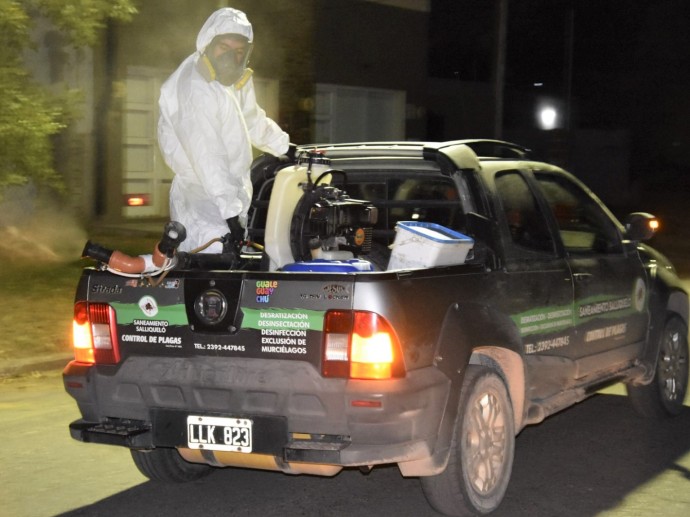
[548,117]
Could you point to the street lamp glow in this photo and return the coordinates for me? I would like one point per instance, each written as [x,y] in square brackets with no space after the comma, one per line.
[548,117]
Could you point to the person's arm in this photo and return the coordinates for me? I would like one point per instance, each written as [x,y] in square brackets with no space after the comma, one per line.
[265,134]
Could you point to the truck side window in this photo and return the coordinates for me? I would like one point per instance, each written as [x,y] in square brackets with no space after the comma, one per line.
[527,225]
[583,225]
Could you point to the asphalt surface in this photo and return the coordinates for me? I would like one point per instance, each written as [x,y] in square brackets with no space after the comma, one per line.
[597,459]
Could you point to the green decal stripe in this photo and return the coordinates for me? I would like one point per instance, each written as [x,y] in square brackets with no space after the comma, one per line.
[602,306]
[554,318]
[282,319]
[544,319]
[621,313]
[128,312]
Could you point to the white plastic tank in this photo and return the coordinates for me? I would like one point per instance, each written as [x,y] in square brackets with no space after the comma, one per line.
[287,191]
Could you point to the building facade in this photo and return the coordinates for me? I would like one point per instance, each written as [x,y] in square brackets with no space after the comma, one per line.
[325,70]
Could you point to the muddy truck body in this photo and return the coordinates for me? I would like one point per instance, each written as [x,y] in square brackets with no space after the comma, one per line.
[414,304]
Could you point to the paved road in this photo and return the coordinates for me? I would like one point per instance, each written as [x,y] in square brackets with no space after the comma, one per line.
[597,458]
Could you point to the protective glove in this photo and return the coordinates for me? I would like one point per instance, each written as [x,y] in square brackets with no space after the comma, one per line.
[236,230]
[291,152]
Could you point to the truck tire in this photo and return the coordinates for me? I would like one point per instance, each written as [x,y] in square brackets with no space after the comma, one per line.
[482,449]
[663,397]
[168,466]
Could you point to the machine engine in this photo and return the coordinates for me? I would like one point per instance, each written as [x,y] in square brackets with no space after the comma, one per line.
[309,219]
[328,224]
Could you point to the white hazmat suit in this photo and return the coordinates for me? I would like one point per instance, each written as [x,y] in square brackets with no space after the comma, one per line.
[206,132]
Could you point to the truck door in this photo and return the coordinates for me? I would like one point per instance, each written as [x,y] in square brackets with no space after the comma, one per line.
[538,286]
[609,279]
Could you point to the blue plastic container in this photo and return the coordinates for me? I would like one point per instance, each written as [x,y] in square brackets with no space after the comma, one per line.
[329,266]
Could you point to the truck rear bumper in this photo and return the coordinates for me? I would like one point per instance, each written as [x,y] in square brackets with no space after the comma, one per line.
[299,417]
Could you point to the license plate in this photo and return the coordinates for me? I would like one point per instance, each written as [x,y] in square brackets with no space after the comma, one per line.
[219,433]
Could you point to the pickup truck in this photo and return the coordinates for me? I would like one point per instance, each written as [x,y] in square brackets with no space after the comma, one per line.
[410,303]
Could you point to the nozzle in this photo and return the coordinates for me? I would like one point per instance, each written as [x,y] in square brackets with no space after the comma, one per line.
[96,252]
[114,259]
[174,234]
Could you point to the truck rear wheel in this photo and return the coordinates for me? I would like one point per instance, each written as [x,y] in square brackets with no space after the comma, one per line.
[482,449]
[168,466]
[663,397]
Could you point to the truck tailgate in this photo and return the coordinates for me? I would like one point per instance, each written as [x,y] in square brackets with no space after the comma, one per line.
[234,314]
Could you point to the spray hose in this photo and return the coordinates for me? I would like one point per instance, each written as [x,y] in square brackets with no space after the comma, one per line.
[160,262]
[164,257]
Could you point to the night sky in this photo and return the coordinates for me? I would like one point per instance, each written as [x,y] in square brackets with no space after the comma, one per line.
[630,62]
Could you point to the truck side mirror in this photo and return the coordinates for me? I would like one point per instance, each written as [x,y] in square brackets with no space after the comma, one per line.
[640,226]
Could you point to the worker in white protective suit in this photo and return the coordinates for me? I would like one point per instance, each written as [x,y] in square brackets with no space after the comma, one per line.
[209,120]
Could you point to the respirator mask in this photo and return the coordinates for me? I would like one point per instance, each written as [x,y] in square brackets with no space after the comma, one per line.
[228,63]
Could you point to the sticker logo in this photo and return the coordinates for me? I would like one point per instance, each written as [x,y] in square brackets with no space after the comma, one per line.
[264,290]
[148,306]
[336,292]
[106,289]
[360,236]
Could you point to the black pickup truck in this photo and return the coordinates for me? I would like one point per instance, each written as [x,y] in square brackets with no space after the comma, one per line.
[402,303]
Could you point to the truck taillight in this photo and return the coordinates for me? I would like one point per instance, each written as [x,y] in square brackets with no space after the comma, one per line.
[93,334]
[360,345]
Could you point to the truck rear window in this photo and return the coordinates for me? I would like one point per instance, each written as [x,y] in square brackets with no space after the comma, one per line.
[425,199]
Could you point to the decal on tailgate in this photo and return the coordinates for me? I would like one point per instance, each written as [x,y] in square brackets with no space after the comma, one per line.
[129,312]
[148,322]
[292,319]
[283,331]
